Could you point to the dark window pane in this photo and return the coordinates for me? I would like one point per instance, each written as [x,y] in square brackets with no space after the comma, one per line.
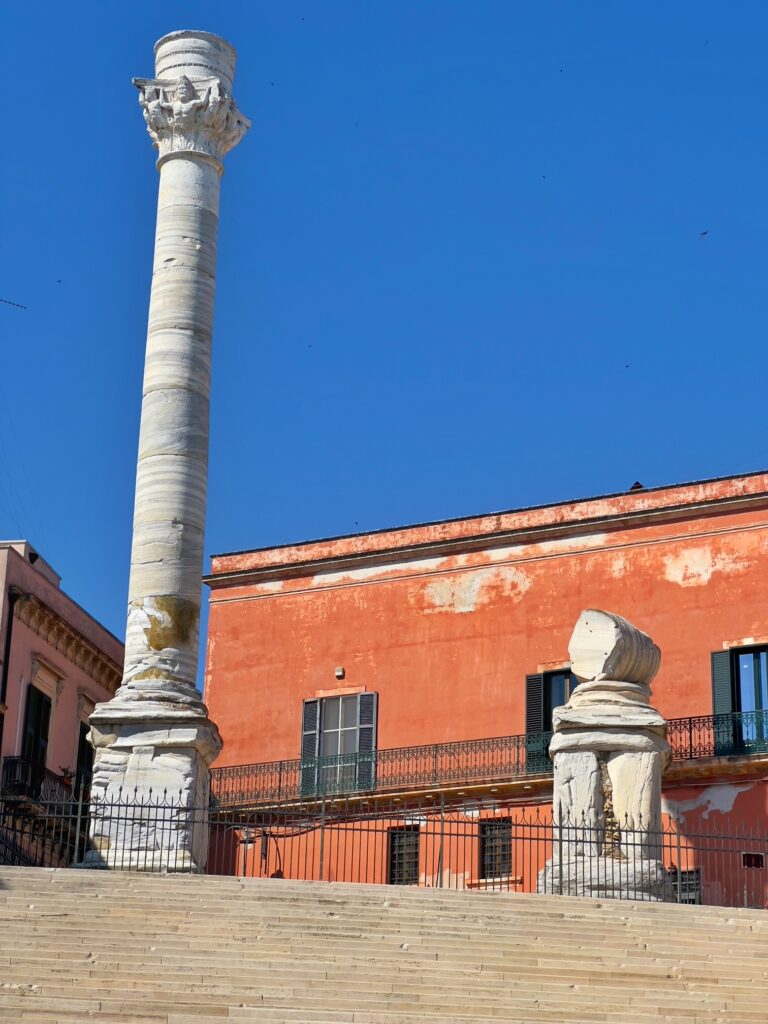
[557,690]
[331,713]
[349,712]
[349,741]
[747,682]
[330,745]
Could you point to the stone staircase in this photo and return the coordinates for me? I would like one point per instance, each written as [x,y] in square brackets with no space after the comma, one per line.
[77,946]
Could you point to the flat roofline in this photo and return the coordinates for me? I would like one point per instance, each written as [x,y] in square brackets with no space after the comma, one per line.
[484,515]
[9,545]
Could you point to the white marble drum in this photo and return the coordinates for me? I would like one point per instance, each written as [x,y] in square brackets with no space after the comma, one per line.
[609,750]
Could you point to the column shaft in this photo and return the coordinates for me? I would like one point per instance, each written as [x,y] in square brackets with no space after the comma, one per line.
[171,478]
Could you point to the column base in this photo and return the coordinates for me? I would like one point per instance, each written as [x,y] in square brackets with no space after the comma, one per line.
[150,791]
[607,878]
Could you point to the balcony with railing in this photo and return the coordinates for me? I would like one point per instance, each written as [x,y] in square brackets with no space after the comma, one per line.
[22,778]
[465,762]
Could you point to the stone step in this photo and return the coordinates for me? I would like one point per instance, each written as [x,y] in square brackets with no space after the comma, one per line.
[112,882]
[116,948]
[385,981]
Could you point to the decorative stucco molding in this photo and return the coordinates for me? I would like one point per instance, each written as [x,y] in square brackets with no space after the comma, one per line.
[76,648]
[85,705]
[183,117]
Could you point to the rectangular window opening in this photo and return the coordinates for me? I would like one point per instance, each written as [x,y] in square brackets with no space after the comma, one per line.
[404,856]
[36,727]
[338,749]
[687,885]
[753,860]
[495,848]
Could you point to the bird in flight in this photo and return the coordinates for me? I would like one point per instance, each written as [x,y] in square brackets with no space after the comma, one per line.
[703,234]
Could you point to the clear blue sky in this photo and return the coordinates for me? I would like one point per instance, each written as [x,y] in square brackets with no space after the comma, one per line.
[460,264]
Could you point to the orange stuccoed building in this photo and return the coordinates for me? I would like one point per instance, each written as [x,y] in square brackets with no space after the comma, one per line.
[428,659]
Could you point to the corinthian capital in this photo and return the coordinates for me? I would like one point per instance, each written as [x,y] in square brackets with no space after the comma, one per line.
[187,117]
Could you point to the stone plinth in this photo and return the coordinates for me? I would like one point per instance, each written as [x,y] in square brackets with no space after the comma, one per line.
[155,734]
[609,750]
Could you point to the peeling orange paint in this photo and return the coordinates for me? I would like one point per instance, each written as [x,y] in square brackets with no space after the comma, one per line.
[471,590]
[694,566]
[444,621]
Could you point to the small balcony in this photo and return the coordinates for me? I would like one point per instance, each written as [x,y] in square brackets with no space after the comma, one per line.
[23,779]
[465,762]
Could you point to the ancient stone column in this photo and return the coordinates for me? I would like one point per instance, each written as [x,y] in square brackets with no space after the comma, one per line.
[155,734]
[609,749]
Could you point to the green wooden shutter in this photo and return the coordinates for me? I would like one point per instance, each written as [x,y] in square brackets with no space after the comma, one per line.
[724,723]
[367,715]
[310,745]
[534,703]
[536,743]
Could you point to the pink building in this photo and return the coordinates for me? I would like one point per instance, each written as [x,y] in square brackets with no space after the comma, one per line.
[57,662]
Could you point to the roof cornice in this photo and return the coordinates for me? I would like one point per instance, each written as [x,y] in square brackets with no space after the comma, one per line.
[75,647]
[389,553]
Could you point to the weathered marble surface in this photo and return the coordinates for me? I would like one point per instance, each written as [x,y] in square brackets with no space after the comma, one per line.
[607,878]
[609,749]
[605,646]
[156,733]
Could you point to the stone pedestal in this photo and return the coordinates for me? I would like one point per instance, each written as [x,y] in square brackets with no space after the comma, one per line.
[154,741]
[609,749]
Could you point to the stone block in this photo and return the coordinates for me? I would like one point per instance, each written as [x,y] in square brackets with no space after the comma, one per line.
[606,646]
[629,878]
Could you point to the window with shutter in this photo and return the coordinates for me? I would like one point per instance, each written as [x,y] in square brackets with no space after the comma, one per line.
[338,744]
[740,700]
[36,725]
[543,693]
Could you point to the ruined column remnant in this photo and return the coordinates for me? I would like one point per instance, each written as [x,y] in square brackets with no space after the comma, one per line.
[156,732]
[609,749]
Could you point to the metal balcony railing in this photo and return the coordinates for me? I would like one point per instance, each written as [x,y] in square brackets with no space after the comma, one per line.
[21,778]
[500,759]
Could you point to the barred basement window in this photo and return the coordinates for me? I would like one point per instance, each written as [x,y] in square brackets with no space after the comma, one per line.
[687,885]
[404,856]
[495,847]
[753,860]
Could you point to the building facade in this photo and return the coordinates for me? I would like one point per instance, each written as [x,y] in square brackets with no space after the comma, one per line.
[428,659]
[58,662]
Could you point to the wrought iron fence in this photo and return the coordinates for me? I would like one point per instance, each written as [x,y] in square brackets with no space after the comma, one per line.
[467,761]
[478,845]
[494,845]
